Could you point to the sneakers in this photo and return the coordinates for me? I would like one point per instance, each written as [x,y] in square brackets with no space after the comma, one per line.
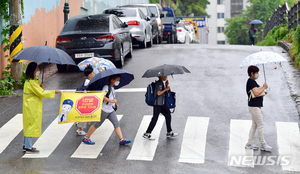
[148,136]
[172,134]
[80,132]
[88,141]
[251,146]
[24,149]
[123,141]
[266,147]
[31,150]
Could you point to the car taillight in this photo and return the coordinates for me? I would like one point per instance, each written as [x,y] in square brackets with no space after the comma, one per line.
[133,23]
[165,33]
[179,30]
[108,38]
[63,40]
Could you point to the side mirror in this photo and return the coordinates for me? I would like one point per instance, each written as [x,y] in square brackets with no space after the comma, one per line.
[196,31]
[148,18]
[177,20]
[152,15]
[162,15]
[124,25]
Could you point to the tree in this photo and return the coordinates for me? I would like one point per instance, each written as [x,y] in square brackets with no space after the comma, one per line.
[186,7]
[237,27]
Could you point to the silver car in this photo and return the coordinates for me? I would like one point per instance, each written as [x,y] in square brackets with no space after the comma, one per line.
[138,24]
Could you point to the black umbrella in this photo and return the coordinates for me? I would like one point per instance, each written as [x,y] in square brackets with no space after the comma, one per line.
[44,54]
[165,70]
[102,78]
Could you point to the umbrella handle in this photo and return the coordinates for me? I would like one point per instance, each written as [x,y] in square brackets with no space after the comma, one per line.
[264,73]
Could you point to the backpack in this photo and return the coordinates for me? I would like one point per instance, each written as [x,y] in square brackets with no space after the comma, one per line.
[81,88]
[149,96]
[108,93]
[170,101]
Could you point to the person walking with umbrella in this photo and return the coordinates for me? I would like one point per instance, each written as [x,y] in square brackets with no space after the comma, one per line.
[252,31]
[158,108]
[33,93]
[160,89]
[254,105]
[109,105]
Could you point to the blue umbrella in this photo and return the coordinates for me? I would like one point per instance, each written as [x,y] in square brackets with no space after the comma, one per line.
[101,79]
[256,21]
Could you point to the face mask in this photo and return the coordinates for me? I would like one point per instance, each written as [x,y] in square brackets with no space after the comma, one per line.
[117,83]
[256,76]
[37,73]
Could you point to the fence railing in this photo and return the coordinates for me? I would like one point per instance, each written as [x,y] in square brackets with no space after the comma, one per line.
[294,16]
[277,18]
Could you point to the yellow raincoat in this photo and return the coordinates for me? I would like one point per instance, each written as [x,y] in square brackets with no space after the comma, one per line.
[33,106]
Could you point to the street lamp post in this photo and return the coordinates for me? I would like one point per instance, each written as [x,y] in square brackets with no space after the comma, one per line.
[66,11]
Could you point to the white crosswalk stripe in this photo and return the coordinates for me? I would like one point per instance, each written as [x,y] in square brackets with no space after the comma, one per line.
[10,130]
[192,146]
[194,140]
[50,139]
[239,131]
[100,137]
[288,137]
[143,149]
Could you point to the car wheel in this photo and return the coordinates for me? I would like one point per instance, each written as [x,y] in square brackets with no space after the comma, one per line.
[61,68]
[143,44]
[160,39]
[156,40]
[150,43]
[129,55]
[172,38]
[120,62]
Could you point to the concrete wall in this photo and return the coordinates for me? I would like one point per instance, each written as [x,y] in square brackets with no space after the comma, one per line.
[44,19]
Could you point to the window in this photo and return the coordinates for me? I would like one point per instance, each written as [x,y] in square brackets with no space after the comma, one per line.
[121,12]
[220,1]
[221,29]
[115,23]
[236,7]
[221,42]
[153,10]
[94,23]
[220,15]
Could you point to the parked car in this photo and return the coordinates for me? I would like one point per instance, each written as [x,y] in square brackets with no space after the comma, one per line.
[169,22]
[182,33]
[99,35]
[191,33]
[138,24]
[146,10]
[156,9]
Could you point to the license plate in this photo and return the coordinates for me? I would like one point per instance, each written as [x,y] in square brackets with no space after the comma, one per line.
[83,55]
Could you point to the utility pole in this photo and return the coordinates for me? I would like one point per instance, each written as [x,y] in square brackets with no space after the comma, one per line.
[66,11]
[15,40]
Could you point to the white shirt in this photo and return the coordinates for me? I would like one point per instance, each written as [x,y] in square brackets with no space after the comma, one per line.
[108,108]
[86,82]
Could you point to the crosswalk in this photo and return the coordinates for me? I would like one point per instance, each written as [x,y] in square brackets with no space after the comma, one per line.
[193,143]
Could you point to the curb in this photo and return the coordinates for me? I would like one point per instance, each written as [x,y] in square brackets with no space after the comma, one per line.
[287,47]
[284,45]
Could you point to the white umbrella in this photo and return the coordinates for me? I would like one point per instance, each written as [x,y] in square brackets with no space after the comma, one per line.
[262,58]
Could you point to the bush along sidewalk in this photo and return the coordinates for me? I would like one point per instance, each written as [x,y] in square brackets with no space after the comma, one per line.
[282,34]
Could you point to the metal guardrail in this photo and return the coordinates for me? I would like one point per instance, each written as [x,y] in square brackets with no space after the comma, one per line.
[278,18]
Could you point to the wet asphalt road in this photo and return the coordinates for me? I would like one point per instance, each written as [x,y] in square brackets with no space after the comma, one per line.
[214,89]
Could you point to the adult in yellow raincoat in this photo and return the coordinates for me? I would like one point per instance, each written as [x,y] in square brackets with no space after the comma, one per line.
[32,106]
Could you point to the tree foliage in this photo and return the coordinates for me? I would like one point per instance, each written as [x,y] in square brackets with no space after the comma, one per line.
[237,27]
[186,7]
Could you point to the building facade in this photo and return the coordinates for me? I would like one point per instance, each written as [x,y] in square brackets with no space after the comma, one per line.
[218,11]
